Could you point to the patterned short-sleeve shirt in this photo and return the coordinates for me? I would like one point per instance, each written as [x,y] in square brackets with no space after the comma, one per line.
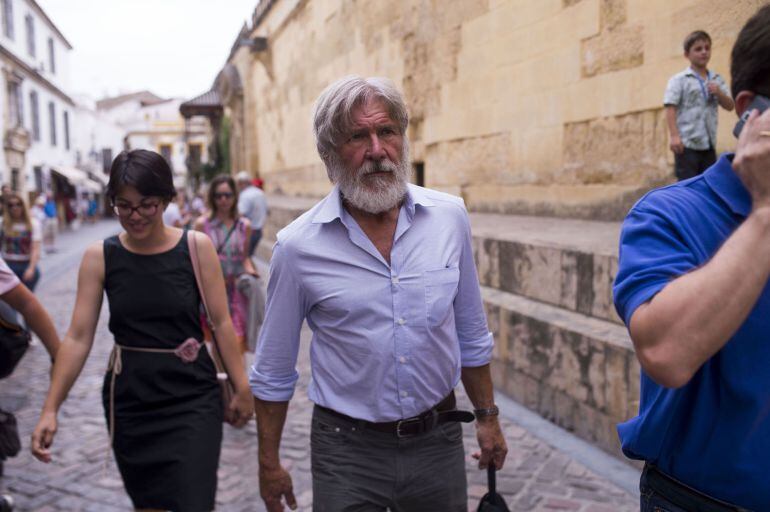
[696,109]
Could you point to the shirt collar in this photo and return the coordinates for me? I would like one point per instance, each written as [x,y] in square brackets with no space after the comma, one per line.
[728,186]
[331,207]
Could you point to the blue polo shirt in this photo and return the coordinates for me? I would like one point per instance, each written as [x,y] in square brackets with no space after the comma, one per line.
[712,434]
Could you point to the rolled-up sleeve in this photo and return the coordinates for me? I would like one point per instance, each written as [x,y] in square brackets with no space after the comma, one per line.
[476,342]
[273,376]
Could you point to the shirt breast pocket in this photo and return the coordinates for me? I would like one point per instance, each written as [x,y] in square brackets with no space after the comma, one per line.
[440,292]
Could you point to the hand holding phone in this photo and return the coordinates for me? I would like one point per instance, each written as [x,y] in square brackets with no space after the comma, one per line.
[760,103]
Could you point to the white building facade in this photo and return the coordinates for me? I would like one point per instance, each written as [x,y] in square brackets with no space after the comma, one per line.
[38,112]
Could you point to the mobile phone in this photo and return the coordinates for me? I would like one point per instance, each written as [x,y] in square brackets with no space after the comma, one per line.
[760,103]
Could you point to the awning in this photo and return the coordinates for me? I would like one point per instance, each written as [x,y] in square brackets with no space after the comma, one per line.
[74,176]
[93,186]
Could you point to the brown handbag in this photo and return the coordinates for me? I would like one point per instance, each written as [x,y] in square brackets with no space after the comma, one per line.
[225,385]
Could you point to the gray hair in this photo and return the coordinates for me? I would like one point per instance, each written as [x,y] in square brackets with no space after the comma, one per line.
[332,116]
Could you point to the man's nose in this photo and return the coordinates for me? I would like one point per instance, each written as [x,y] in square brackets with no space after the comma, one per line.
[376,151]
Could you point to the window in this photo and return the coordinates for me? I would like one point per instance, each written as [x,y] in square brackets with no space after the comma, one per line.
[38,171]
[51,56]
[194,155]
[15,180]
[106,160]
[29,21]
[165,152]
[52,118]
[66,130]
[15,105]
[35,113]
[419,174]
[8,18]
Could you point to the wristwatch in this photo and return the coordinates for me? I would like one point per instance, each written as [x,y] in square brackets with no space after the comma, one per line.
[489,411]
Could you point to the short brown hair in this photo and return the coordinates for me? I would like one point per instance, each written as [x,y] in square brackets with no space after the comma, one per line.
[694,37]
[750,65]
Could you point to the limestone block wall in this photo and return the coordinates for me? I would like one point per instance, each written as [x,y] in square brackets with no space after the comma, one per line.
[548,107]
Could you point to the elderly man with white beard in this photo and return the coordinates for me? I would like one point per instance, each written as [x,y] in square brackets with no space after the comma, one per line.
[383,272]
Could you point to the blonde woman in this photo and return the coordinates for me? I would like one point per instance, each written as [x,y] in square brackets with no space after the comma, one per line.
[21,239]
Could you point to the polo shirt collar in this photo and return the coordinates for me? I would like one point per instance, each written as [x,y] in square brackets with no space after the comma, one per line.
[728,186]
[331,207]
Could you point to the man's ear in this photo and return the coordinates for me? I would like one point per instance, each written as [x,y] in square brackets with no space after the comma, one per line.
[742,101]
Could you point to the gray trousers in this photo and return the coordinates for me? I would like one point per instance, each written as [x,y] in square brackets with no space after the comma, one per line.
[364,470]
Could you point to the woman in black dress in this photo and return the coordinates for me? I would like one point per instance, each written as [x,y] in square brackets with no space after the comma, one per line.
[161,396]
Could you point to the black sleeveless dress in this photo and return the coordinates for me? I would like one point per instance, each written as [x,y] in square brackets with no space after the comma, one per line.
[168,413]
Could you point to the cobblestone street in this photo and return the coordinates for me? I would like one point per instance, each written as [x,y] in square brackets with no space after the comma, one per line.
[83,476]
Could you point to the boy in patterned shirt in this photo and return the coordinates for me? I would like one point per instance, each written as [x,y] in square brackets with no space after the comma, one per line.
[691,100]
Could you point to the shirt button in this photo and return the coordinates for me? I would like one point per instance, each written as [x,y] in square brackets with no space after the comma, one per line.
[404,394]
[402,360]
[394,280]
[401,321]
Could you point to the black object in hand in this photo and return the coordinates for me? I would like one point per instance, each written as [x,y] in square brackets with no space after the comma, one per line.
[760,103]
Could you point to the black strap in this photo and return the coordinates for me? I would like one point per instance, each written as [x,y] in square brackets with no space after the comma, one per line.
[230,232]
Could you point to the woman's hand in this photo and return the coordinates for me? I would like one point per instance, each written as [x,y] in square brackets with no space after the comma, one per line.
[28,275]
[242,407]
[42,436]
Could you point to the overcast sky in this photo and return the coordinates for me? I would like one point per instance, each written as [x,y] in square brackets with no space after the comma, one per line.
[173,48]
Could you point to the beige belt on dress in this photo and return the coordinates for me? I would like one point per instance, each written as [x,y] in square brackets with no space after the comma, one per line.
[187,352]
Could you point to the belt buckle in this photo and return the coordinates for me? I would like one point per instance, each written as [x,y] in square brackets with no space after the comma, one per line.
[401,423]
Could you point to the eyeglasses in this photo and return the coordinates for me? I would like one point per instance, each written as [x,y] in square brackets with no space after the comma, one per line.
[144,209]
[14,204]
[223,195]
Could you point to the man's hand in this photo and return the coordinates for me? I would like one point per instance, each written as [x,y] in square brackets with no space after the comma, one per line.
[274,484]
[491,442]
[676,144]
[752,158]
[713,88]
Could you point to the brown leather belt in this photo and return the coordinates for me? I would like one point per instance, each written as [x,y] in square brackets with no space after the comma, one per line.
[444,412]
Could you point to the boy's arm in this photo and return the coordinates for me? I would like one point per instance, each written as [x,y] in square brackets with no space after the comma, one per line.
[676,141]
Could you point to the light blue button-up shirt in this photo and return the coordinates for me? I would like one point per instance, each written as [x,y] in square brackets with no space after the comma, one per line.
[388,340]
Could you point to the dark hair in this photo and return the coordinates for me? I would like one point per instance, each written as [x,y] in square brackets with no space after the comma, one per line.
[750,60]
[218,180]
[694,37]
[144,170]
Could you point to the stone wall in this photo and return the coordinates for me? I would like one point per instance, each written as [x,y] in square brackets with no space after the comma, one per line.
[550,107]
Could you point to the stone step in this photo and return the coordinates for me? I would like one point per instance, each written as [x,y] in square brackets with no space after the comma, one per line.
[563,262]
[578,371]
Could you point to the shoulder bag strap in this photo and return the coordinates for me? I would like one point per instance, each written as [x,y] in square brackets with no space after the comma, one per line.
[227,237]
[192,244]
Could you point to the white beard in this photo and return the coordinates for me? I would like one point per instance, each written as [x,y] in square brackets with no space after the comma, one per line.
[373,194]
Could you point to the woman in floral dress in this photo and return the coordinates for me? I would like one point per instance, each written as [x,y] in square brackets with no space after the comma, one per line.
[230,233]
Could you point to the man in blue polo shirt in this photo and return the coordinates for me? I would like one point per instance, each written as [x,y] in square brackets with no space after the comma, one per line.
[692,287]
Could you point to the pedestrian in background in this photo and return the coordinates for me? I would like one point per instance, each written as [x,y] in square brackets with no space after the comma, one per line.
[161,397]
[21,239]
[691,100]
[230,233]
[51,225]
[252,204]
[692,287]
